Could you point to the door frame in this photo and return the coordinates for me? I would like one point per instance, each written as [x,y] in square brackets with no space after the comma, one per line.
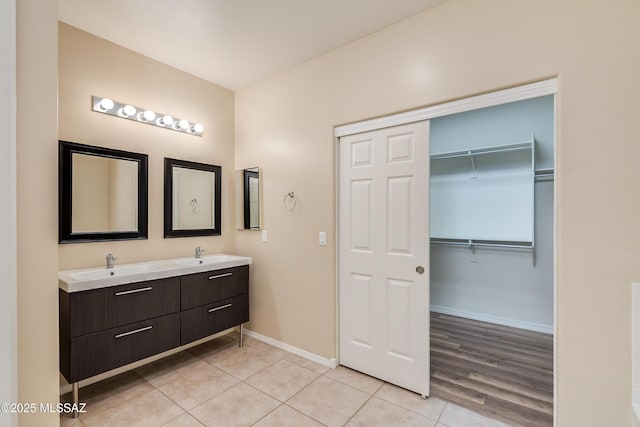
[489,99]
[8,218]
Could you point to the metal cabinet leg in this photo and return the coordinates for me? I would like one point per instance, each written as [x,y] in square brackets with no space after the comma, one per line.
[240,343]
[74,392]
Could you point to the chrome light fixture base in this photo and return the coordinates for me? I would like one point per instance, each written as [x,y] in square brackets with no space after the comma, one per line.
[142,115]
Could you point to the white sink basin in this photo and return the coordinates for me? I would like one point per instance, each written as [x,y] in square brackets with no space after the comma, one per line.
[93,278]
[111,272]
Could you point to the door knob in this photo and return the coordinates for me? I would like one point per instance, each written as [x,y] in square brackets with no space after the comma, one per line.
[419,269]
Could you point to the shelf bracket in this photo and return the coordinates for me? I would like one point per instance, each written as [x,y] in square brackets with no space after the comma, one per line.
[474,172]
[474,255]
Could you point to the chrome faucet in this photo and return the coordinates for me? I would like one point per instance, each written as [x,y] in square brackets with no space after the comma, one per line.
[199,251]
[110,260]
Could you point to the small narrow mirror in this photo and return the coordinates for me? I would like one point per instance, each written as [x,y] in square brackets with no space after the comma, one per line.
[248,199]
[192,194]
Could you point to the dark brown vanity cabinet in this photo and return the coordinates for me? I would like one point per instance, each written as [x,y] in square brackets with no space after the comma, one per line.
[213,301]
[211,286]
[102,329]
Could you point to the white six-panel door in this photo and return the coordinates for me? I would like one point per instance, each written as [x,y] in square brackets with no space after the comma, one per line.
[384,254]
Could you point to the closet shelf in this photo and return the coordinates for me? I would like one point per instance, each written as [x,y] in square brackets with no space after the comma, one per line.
[544,174]
[527,145]
[462,208]
[471,243]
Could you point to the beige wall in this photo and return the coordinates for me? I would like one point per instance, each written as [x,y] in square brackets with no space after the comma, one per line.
[461,48]
[37,202]
[93,66]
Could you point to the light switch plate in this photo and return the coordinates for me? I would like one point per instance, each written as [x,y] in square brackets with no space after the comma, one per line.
[322,238]
[264,235]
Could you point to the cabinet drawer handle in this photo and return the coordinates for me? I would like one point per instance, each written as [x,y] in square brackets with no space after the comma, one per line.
[124,334]
[133,291]
[217,276]
[220,308]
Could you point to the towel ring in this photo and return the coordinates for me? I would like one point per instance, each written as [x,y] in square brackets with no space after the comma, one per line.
[289,202]
[193,206]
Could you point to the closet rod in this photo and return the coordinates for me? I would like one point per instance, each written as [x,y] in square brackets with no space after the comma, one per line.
[486,150]
[484,243]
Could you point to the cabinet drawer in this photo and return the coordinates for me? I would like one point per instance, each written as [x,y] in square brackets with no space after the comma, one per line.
[212,286]
[99,352]
[208,319]
[82,312]
[134,302]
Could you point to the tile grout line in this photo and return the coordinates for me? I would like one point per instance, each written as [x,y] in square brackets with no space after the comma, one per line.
[268,413]
[446,403]
[260,370]
[351,386]
[188,411]
[184,411]
[110,407]
[295,394]
[358,410]
[363,404]
[280,403]
[408,409]
[300,391]
[244,381]
[306,415]
[268,394]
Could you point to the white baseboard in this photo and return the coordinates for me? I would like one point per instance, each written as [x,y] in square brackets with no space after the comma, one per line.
[329,363]
[531,326]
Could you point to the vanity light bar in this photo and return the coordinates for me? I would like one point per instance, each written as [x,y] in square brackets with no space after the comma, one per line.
[131,112]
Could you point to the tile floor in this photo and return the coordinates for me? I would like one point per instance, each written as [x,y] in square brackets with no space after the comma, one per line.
[220,384]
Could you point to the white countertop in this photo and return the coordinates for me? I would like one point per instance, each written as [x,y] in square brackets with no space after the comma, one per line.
[94,278]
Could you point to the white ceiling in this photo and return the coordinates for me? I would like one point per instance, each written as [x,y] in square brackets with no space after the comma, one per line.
[235,43]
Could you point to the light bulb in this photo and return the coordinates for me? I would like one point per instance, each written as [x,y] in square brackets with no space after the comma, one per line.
[183,124]
[106,104]
[128,110]
[149,115]
[198,128]
[165,120]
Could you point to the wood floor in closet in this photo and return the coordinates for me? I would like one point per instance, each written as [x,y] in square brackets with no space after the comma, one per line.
[502,372]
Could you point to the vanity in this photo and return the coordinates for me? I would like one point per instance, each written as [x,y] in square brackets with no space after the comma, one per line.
[110,317]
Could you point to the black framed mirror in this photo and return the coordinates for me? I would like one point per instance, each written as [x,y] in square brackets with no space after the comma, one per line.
[248,198]
[102,194]
[192,199]
[251,199]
